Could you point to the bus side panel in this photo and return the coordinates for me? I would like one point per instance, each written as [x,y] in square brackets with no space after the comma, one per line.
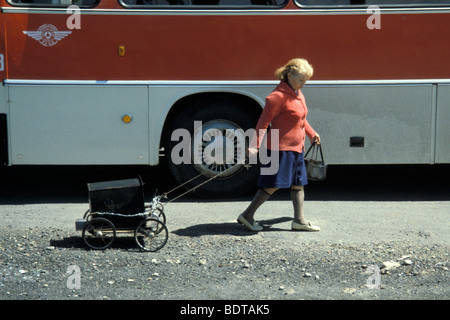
[442,125]
[78,125]
[4,157]
[228,47]
[2,59]
[386,124]
[4,143]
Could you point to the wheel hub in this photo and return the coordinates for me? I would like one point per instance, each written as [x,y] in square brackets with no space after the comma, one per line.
[217,146]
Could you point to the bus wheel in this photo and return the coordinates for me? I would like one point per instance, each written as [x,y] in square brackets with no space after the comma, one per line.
[214,148]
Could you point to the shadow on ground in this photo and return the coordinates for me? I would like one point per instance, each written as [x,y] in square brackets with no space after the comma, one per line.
[68,184]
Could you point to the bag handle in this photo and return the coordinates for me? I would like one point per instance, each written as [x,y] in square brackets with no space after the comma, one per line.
[313,146]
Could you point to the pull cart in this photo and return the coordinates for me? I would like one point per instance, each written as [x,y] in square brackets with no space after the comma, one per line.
[118,207]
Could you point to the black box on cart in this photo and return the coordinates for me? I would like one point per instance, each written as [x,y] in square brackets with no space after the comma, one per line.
[125,197]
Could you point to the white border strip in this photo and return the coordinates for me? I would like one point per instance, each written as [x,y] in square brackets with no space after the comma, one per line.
[12,82]
[137,82]
[225,12]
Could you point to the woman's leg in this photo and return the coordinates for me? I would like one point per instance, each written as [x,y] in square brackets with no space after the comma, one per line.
[298,197]
[300,223]
[260,197]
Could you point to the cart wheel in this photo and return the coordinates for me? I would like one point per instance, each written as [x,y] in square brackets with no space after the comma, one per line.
[151,234]
[99,233]
[158,214]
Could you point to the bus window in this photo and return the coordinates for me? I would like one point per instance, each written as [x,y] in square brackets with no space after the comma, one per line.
[337,3]
[221,3]
[54,3]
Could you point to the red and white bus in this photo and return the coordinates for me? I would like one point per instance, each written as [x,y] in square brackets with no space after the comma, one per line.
[108,81]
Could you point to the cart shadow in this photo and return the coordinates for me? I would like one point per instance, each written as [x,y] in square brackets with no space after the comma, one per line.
[229,228]
[74,242]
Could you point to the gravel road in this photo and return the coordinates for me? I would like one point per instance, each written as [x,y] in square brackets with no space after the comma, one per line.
[365,250]
[209,256]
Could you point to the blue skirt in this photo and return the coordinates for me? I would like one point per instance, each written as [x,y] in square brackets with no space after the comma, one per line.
[291,171]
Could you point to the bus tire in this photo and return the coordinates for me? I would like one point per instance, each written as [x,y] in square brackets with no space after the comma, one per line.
[213,114]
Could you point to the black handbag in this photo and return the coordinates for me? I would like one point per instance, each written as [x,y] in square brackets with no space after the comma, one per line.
[316,169]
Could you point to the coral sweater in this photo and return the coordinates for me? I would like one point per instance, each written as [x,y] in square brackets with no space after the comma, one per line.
[286,111]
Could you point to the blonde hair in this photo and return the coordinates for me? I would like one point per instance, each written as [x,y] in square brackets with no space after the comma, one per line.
[296,66]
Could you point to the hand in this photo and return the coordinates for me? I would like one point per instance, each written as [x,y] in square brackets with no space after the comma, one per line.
[252,152]
[315,139]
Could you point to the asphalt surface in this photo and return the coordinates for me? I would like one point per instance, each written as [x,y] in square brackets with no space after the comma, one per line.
[384,236]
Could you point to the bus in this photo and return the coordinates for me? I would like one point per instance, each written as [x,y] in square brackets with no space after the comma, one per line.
[108,82]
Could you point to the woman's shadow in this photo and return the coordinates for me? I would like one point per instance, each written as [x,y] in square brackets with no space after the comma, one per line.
[229,228]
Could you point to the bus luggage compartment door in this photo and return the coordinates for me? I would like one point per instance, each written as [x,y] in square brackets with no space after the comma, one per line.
[442,125]
[394,120]
[78,124]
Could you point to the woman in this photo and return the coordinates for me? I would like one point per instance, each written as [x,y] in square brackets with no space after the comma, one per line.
[286,111]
